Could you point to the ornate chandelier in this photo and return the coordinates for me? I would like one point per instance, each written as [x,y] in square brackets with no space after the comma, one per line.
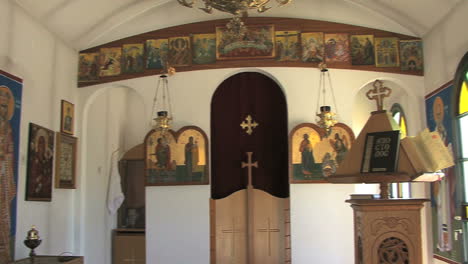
[325,117]
[238,8]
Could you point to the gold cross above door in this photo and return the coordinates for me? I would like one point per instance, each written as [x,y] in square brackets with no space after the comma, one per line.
[268,230]
[249,125]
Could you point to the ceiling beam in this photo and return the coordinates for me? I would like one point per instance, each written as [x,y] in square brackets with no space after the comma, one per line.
[51,12]
[114,20]
[391,13]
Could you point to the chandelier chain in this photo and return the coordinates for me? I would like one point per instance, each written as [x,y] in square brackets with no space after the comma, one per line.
[332,92]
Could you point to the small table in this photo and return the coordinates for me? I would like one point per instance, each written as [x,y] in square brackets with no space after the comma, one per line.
[51,260]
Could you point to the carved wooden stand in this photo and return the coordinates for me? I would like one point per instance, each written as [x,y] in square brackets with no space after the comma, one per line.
[387,230]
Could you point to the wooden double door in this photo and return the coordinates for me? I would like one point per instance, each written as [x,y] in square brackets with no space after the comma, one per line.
[250,187]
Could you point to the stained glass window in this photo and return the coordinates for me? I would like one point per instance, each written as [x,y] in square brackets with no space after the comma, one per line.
[463,100]
[461,86]
[400,190]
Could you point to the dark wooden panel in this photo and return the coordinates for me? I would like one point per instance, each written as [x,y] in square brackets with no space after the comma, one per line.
[281,24]
[254,94]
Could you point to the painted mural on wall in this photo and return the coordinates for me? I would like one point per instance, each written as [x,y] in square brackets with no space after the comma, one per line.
[439,107]
[215,47]
[177,158]
[316,155]
[10,120]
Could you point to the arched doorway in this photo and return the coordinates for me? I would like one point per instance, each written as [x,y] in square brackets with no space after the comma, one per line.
[250,189]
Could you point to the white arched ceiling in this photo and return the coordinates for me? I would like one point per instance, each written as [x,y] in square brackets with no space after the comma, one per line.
[87,23]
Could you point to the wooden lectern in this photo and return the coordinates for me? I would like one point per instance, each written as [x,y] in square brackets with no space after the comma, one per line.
[385,230]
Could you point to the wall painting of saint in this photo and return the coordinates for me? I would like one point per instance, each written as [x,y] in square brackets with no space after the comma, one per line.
[257,42]
[10,120]
[156,53]
[337,48]
[313,49]
[288,47]
[314,155]
[362,50]
[109,61]
[439,117]
[132,58]
[180,52]
[88,68]
[177,158]
[204,48]
[40,160]
[411,55]
[386,52]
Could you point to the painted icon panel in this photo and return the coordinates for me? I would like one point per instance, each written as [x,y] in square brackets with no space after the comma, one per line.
[411,55]
[177,158]
[88,68]
[288,47]
[180,52]
[133,58]
[257,42]
[316,155]
[110,61]
[40,160]
[312,47]
[337,48]
[204,48]
[156,53]
[386,52]
[362,50]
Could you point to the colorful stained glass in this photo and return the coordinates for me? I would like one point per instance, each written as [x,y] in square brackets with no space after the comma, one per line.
[463,108]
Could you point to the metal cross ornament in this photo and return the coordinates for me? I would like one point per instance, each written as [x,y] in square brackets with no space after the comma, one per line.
[249,125]
[378,93]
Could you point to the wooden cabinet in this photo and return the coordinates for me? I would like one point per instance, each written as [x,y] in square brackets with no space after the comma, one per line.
[387,230]
[51,260]
[129,246]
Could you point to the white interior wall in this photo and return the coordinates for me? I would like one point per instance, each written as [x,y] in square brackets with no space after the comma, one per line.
[108,128]
[48,69]
[168,207]
[444,48]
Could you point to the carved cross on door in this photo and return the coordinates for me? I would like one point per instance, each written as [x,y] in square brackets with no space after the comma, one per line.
[249,166]
[232,230]
[268,230]
[378,93]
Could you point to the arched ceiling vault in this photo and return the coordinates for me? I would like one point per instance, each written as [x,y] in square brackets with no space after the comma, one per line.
[87,23]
